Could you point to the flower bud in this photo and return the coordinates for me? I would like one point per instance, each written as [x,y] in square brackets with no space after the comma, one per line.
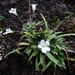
[33,7]
[13,11]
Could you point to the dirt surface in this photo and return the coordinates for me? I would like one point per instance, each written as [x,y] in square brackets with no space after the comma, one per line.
[14,64]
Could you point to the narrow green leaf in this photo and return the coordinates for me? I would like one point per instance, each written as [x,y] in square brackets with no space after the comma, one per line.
[51,37]
[70,59]
[24,43]
[33,54]
[45,31]
[39,23]
[30,40]
[48,64]
[57,33]
[23,36]
[50,56]
[27,33]
[62,35]
[46,25]
[26,49]
[37,64]
[20,53]
[41,58]
[51,31]
[59,47]
[12,52]
[29,51]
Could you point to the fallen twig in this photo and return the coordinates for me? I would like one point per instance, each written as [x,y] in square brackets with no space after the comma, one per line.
[58,26]
[67,58]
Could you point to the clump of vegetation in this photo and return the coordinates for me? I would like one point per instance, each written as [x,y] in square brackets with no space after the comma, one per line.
[2,17]
[69,15]
[56,21]
[44,48]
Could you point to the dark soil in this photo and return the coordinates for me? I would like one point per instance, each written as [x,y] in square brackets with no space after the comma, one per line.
[14,64]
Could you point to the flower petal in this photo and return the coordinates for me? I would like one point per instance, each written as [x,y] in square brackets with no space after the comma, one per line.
[47,43]
[0,57]
[47,49]
[43,50]
[42,41]
[39,46]
[10,11]
[12,8]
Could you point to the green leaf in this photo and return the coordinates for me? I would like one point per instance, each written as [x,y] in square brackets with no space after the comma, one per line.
[12,52]
[28,51]
[1,30]
[2,17]
[55,52]
[51,31]
[48,64]
[20,53]
[46,25]
[45,31]
[39,23]
[62,35]
[29,34]
[34,46]
[70,59]
[37,64]
[23,36]
[24,43]
[41,58]
[58,33]
[30,40]
[50,56]
[59,47]
[35,52]
[51,37]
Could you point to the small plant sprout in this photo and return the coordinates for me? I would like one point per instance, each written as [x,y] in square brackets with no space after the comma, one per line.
[43,45]
[34,7]
[1,18]
[13,11]
[8,31]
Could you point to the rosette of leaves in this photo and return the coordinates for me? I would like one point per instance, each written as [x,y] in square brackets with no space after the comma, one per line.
[29,27]
[40,60]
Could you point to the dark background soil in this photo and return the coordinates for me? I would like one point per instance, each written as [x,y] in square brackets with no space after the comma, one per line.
[14,64]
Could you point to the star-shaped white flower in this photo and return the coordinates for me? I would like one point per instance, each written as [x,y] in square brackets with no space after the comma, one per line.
[13,11]
[33,7]
[8,31]
[0,56]
[43,45]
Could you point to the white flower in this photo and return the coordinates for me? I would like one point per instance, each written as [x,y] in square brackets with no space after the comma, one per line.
[8,31]
[33,7]
[0,57]
[43,45]
[13,11]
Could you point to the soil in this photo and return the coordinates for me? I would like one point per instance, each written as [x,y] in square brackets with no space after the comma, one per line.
[14,64]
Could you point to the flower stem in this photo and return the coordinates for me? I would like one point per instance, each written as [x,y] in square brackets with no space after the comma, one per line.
[30,12]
